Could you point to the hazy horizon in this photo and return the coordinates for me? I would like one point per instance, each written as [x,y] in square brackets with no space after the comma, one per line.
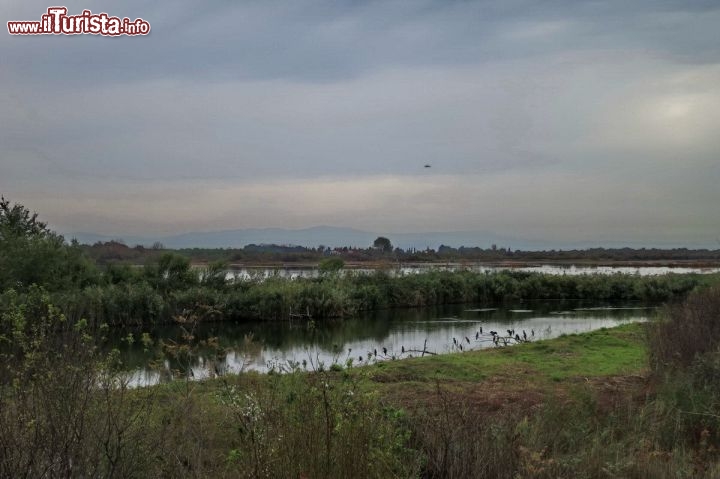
[330,236]
[565,123]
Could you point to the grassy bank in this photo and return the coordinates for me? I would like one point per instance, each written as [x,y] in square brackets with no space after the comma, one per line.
[613,351]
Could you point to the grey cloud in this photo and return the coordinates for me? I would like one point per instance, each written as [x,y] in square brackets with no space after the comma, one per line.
[326,41]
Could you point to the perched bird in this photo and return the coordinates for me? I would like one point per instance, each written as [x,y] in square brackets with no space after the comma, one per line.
[524,335]
[375,352]
[517,337]
[480,329]
[467,339]
[477,336]
[460,346]
[403,348]
[454,341]
[384,351]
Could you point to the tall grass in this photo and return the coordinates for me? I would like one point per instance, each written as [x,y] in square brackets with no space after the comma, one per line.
[65,411]
[688,331]
[138,301]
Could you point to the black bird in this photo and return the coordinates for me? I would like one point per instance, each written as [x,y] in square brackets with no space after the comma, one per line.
[477,336]
[427,166]
[460,346]
[509,332]
[493,333]
[384,351]
[360,358]
[480,329]
[454,341]
[375,352]
[524,335]
[532,331]
[403,348]
[517,337]
[467,339]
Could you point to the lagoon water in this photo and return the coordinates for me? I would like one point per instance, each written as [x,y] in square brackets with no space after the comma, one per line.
[307,272]
[262,346]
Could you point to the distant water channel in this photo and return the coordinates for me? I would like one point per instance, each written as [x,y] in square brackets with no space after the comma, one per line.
[307,272]
[261,346]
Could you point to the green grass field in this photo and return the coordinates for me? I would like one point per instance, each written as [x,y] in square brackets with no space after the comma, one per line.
[606,352]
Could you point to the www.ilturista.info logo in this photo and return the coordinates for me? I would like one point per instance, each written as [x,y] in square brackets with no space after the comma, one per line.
[57,22]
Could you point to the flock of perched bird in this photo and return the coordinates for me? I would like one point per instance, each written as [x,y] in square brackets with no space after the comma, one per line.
[512,337]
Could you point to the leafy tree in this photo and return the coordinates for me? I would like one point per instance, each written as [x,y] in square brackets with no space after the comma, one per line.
[17,221]
[31,253]
[122,273]
[383,244]
[171,272]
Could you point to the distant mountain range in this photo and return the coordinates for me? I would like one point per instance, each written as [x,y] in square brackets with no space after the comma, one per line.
[337,237]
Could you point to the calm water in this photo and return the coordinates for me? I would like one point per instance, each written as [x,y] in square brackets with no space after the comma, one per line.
[289,272]
[279,345]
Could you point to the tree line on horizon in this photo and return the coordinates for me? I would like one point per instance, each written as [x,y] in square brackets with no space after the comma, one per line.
[382,250]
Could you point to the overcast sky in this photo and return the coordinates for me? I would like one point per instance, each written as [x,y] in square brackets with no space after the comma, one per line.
[558,121]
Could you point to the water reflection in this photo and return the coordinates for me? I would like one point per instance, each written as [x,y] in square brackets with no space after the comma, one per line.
[380,336]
